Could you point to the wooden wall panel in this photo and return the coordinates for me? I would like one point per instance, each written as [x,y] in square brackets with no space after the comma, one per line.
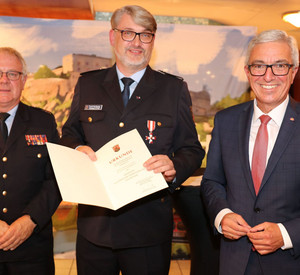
[56,9]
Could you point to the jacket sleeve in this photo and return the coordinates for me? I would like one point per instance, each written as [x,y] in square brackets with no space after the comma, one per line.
[213,185]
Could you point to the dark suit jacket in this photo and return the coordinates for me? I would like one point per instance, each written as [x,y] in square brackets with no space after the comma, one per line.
[158,97]
[228,183]
[30,184]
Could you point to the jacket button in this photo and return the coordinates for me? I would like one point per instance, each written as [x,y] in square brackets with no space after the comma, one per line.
[90,119]
[4,193]
[256,210]
[4,176]
[4,159]
[4,210]
[121,124]
[39,155]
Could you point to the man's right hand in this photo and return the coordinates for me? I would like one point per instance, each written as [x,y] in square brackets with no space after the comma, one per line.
[234,226]
[88,151]
[3,228]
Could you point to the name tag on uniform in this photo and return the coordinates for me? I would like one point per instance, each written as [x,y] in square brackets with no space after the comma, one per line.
[93,107]
[36,139]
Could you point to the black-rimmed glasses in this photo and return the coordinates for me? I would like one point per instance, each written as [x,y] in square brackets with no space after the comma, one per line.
[277,69]
[11,75]
[145,37]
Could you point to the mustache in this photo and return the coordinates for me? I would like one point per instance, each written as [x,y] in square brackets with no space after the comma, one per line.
[135,48]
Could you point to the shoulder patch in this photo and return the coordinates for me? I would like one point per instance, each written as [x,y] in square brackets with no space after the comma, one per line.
[173,75]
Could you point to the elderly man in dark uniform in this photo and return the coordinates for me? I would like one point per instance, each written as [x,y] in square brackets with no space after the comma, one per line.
[28,190]
[137,238]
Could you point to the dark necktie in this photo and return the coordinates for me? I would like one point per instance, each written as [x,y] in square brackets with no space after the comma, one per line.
[126,91]
[3,127]
[260,153]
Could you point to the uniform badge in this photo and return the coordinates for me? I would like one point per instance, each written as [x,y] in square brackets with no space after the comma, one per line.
[93,107]
[36,139]
[151,127]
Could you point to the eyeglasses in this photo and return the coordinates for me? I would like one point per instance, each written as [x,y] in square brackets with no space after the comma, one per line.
[277,69]
[11,75]
[145,37]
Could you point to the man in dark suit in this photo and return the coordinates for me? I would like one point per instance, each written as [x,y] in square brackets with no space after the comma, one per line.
[137,238]
[257,207]
[29,194]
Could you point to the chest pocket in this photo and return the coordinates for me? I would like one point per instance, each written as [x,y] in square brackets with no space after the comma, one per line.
[160,121]
[36,151]
[158,127]
[91,116]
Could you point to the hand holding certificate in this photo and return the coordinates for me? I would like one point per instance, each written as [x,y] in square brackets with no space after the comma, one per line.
[114,180]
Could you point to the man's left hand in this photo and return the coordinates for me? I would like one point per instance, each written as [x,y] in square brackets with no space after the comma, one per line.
[266,237]
[161,164]
[18,232]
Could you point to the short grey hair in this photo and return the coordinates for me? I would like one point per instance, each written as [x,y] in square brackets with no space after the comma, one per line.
[140,16]
[15,53]
[275,36]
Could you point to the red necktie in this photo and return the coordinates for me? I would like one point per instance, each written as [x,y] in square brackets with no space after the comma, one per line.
[260,153]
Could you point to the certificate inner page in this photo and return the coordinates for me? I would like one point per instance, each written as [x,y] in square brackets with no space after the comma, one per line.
[120,165]
[77,177]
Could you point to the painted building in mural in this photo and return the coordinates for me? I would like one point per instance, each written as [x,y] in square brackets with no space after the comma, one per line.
[201,102]
[82,63]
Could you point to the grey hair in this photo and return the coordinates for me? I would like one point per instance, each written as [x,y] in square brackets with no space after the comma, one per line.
[139,15]
[15,53]
[275,36]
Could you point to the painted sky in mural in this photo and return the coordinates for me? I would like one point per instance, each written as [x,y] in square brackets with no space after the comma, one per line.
[207,57]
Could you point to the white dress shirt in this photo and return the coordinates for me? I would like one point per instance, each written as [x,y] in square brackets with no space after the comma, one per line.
[273,127]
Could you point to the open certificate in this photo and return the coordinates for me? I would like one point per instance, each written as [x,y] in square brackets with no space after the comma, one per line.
[114,180]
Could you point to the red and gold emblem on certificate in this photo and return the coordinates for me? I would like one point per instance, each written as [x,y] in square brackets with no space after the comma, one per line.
[116,148]
[151,124]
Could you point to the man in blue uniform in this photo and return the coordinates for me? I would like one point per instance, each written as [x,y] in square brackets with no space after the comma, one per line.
[135,239]
[28,190]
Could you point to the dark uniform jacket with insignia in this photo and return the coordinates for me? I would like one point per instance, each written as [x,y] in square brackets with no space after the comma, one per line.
[161,98]
[27,182]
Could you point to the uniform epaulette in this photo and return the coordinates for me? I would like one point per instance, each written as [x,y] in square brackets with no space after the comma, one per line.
[93,71]
[40,109]
[173,75]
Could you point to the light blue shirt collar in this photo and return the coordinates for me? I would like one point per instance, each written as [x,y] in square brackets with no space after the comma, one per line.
[136,77]
[9,121]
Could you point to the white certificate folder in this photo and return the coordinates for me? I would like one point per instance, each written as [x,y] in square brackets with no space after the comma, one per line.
[117,177]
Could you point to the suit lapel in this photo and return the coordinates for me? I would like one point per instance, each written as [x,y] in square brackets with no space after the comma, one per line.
[2,143]
[285,134]
[244,135]
[19,126]
[144,89]
[112,88]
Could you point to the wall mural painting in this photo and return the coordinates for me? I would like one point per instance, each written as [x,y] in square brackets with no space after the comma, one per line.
[209,58]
